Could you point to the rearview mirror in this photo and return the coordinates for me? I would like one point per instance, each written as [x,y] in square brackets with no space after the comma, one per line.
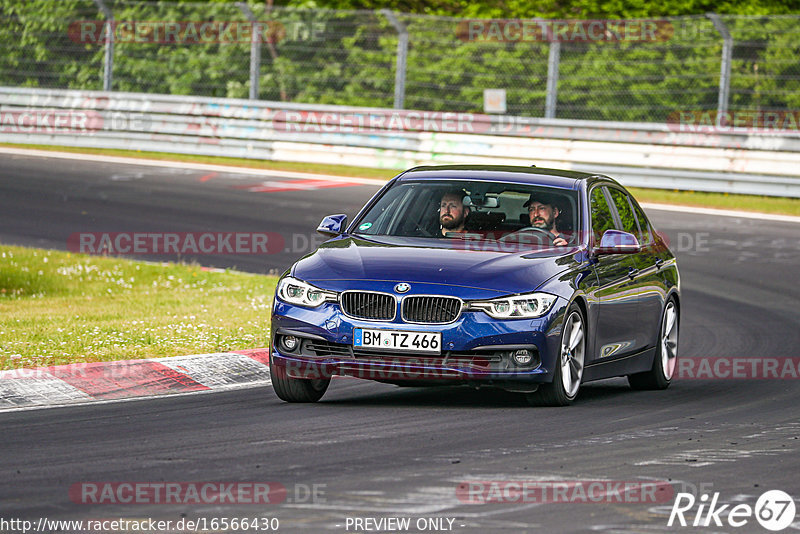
[333,225]
[618,242]
[479,202]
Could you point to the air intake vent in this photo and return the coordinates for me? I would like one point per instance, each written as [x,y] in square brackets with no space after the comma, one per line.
[431,309]
[370,306]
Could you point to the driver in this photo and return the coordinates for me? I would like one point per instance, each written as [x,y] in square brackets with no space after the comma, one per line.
[543,212]
[452,211]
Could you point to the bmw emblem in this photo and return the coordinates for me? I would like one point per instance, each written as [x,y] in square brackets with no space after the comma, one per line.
[402,287]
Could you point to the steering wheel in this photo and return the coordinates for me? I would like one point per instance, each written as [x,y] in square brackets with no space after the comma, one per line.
[541,232]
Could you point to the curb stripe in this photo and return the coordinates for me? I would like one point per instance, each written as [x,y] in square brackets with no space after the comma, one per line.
[135,379]
[218,370]
[259,355]
[22,392]
[131,379]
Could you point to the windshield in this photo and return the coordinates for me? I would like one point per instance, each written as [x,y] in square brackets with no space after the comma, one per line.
[475,210]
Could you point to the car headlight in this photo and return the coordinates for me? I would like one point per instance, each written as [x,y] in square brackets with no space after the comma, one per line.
[297,292]
[527,306]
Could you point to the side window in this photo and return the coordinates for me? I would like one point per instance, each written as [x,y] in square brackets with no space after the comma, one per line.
[601,214]
[625,212]
[643,223]
[382,218]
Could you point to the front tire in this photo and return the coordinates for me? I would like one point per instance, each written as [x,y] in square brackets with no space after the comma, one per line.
[569,366]
[666,358]
[296,389]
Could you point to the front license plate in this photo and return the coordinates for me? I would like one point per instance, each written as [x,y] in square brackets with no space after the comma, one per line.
[430,342]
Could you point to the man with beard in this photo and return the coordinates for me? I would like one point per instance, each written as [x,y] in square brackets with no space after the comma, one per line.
[452,212]
[543,212]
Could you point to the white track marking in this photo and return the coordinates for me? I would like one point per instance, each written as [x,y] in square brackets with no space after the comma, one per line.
[219,370]
[186,165]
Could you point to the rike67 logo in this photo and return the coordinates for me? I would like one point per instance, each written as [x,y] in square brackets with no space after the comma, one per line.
[774,510]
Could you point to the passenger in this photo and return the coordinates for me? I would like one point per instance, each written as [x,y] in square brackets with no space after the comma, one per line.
[452,212]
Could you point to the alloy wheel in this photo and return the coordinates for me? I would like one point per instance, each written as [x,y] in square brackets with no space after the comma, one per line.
[572,354]
[669,340]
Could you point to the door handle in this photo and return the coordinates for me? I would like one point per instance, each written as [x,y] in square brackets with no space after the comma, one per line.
[632,272]
[659,263]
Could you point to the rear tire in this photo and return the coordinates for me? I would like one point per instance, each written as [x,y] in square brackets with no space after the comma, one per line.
[666,358]
[568,371]
[296,389]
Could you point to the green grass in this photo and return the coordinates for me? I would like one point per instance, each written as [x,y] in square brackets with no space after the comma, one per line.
[761,204]
[59,307]
[751,203]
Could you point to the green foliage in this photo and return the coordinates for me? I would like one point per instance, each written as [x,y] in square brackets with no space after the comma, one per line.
[37,50]
[348,57]
[575,9]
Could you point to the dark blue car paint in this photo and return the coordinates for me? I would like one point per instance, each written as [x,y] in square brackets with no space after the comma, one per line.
[355,258]
[617,305]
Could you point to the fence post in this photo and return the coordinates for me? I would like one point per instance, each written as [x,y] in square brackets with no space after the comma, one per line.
[553,60]
[725,68]
[255,49]
[402,58]
[108,63]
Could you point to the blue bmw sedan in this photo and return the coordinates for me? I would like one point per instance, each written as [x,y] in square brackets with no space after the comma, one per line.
[527,279]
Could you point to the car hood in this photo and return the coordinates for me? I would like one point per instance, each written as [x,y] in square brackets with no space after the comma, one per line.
[340,262]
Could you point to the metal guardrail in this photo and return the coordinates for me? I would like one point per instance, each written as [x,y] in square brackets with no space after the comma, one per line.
[638,154]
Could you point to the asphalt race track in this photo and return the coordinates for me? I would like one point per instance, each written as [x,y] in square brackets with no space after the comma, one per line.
[378,451]
[45,201]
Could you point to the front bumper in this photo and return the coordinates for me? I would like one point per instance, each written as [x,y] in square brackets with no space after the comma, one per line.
[475,348]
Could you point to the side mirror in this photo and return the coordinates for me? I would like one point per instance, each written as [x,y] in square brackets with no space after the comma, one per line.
[333,225]
[617,242]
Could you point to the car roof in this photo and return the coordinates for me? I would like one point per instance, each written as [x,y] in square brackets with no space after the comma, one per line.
[501,173]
